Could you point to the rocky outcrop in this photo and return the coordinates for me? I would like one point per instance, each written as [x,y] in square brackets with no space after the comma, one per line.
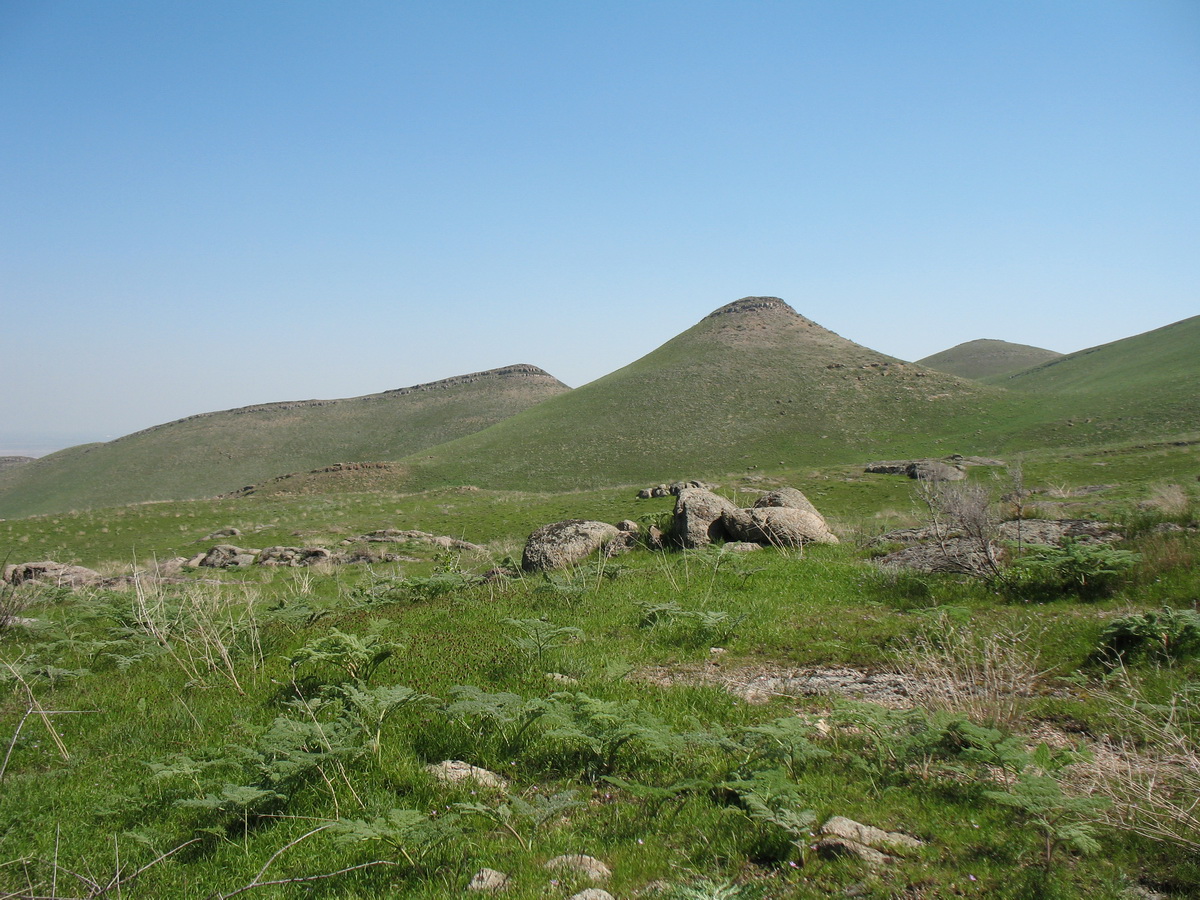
[50,572]
[587,866]
[698,518]
[788,498]
[293,556]
[455,771]
[563,544]
[874,846]
[670,490]
[397,536]
[923,469]
[227,556]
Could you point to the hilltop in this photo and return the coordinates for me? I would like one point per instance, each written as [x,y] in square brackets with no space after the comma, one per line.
[754,385]
[986,358]
[218,452]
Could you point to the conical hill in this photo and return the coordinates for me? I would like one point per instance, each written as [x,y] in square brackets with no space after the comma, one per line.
[752,385]
[218,452]
[987,358]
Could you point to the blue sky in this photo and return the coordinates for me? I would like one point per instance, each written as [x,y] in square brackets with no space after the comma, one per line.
[208,205]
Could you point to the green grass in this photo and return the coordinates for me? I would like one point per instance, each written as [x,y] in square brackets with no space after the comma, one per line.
[216,453]
[987,358]
[677,756]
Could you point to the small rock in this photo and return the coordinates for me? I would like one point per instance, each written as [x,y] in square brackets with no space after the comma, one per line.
[840,826]
[560,678]
[629,525]
[223,532]
[585,865]
[488,880]
[833,846]
[592,894]
[455,771]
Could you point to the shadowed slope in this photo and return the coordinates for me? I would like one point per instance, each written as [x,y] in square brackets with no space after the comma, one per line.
[754,384]
[985,358]
[219,452]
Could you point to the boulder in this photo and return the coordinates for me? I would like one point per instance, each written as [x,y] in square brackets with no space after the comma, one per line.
[655,539]
[628,525]
[697,521]
[874,846]
[563,544]
[778,526]
[50,572]
[786,497]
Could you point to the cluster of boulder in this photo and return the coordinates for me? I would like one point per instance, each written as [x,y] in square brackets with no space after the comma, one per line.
[779,518]
[951,468]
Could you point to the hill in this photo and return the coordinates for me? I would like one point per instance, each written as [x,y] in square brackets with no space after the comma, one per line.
[986,358]
[754,385]
[1139,386]
[217,452]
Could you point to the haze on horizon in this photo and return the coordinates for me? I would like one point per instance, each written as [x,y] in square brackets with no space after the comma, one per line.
[215,205]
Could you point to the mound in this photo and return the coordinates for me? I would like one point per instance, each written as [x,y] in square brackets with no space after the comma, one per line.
[987,358]
[218,452]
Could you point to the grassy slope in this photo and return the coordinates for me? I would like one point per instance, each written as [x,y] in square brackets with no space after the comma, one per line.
[1134,388]
[986,358]
[220,452]
[751,386]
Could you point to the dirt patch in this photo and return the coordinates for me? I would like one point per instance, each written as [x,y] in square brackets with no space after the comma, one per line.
[762,684]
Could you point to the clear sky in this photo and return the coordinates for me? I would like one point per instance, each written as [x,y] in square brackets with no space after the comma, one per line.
[210,204]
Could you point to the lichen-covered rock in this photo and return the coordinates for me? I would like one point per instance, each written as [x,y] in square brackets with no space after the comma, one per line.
[697,519]
[224,556]
[788,498]
[778,526]
[579,862]
[50,572]
[562,544]
[488,880]
[455,771]
[293,556]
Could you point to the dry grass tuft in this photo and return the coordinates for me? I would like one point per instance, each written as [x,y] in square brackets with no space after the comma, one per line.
[985,675]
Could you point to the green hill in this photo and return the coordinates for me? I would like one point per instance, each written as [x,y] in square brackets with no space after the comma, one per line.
[217,452]
[1139,386]
[754,385]
[986,358]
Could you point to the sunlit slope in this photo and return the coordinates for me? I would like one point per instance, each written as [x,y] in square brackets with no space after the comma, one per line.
[218,452]
[754,384]
[987,358]
[1140,386]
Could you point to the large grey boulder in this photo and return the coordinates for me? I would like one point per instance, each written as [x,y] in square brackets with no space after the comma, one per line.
[777,526]
[563,544]
[697,521]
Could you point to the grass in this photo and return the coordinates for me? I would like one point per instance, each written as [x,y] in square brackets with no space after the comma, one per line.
[215,718]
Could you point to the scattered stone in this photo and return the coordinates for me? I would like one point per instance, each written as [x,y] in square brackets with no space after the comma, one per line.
[585,865]
[564,544]
[224,556]
[560,678]
[50,572]
[1053,532]
[455,771]
[592,894]
[698,517]
[397,536]
[488,880]
[293,556]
